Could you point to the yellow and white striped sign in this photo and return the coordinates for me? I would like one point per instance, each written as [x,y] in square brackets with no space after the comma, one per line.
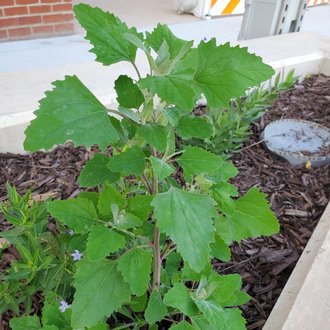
[234,7]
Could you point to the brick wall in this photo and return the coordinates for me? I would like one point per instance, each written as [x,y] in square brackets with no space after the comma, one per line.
[23,19]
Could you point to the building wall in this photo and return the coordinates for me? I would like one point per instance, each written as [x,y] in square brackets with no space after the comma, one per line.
[23,19]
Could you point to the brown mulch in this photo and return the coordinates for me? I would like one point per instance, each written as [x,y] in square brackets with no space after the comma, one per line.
[298,195]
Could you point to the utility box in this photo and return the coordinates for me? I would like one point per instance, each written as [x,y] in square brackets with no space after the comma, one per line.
[270,17]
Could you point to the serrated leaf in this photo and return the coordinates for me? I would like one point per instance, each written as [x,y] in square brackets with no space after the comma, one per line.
[184,325]
[197,161]
[161,169]
[104,31]
[135,266]
[220,249]
[102,241]
[173,114]
[224,72]
[132,161]
[70,112]
[177,47]
[174,88]
[128,93]
[79,214]
[154,135]
[192,126]
[216,317]
[226,172]
[139,205]
[96,172]
[178,297]
[92,196]
[226,289]
[25,322]
[127,221]
[187,218]
[109,197]
[100,290]
[156,310]
[251,218]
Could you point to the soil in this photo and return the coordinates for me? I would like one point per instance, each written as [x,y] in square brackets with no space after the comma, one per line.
[298,196]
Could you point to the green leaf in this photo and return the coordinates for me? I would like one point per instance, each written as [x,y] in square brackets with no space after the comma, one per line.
[197,161]
[139,205]
[224,72]
[128,93]
[104,31]
[79,214]
[154,135]
[226,289]
[184,325]
[178,297]
[109,197]
[52,315]
[135,266]
[177,47]
[187,218]
[160,168]
[132,161]
[99,326]
[100,290]
[192,126]
[96,172]
[25,322]
[127,220]
[216,317]
[220,249]
[156,310]
[226,172]
[251,218]
[70,112]
[191,275]
[174,88]
[92,196]
[102,241]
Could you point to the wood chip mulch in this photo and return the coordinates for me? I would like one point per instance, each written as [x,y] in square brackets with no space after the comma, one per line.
[298,196]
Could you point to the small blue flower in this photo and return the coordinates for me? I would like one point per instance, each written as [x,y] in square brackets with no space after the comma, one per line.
[64,306]
[205,39]
[70,232]
[76,255]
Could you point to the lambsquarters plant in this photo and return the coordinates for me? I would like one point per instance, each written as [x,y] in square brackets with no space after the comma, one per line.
[148,241]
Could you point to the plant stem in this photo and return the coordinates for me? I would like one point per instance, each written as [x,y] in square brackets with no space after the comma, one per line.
[122,115]
[137,70]
[157,256]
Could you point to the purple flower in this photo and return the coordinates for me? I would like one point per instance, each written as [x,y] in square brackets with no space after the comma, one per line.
[76,255]
[64,306]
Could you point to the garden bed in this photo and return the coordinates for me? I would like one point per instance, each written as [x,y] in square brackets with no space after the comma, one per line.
[298,196]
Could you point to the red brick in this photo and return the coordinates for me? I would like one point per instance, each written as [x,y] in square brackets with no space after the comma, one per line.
[29,20]
[20,32]
[66,27]
[8,22]
[1,12]
[62,7]
[6,2]
[3,34]
[42,29]
[16,11]
[50,1]
[26,2]
[39,9]
[57,18]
